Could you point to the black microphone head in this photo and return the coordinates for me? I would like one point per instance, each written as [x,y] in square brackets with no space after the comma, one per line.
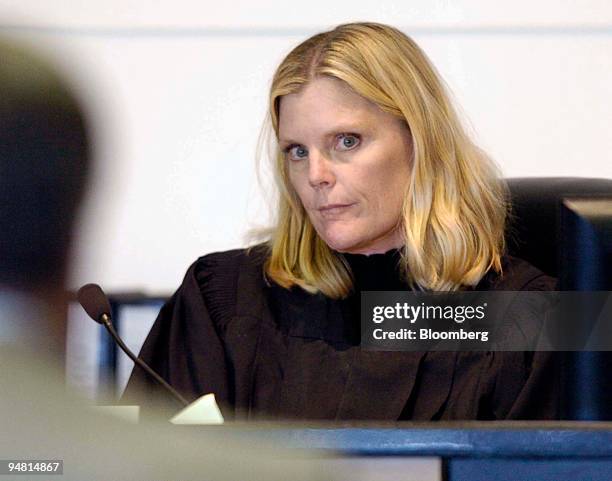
[94,301]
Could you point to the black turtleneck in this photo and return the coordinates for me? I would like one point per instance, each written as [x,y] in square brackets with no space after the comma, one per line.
[375,272]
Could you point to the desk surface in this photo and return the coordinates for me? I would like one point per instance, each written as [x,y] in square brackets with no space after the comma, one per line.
[446,439]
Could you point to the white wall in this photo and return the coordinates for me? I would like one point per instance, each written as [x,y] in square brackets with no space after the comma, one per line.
[178,90]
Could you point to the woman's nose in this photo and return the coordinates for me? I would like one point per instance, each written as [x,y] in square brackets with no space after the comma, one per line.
[320,170]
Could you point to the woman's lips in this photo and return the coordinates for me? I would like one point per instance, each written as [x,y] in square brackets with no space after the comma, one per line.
[333,210]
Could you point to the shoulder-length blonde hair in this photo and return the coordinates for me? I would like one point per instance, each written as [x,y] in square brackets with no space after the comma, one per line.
[454,213]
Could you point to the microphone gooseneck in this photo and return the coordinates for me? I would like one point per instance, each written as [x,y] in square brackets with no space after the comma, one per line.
[97,306]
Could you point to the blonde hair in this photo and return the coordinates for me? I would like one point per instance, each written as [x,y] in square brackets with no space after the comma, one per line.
[454,213]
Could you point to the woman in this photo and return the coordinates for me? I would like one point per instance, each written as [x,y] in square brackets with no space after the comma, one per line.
[380,189]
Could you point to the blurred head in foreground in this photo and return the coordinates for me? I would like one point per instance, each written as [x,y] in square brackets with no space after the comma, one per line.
[370,155]
[44,160]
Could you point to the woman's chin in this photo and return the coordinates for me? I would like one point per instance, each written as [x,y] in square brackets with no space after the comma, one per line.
[333,243]
[350,243]
[340,243]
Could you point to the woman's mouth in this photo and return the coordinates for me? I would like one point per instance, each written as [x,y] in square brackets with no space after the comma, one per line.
[333,210]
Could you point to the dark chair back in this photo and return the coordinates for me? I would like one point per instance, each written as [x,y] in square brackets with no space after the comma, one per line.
[532,230]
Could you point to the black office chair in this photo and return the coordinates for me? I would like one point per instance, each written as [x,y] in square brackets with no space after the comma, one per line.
[533,234]
[532,230]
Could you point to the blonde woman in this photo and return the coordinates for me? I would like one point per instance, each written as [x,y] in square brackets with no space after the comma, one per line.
[380,188]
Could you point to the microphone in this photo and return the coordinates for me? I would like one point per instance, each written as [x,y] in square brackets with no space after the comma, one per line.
[94,301]
[96,305]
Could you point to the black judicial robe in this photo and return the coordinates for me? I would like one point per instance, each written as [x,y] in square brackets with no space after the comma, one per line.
[272,353]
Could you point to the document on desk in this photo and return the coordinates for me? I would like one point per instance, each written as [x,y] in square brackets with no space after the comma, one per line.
[203,410]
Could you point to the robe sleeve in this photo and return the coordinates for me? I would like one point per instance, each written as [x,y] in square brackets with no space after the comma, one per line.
[527,384]
[184,348]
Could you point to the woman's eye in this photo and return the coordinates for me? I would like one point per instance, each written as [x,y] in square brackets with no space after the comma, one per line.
[348,141]
[296,152]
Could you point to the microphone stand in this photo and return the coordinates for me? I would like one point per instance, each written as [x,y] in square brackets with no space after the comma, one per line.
[106,320]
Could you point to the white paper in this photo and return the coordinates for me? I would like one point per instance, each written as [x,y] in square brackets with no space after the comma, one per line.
[203,410]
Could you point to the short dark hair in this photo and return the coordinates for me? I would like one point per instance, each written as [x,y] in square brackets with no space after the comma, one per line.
[44,161]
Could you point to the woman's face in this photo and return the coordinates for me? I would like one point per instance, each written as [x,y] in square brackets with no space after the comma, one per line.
[349,163]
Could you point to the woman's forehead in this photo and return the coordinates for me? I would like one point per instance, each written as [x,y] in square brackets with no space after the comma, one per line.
[325,91]
[326,102]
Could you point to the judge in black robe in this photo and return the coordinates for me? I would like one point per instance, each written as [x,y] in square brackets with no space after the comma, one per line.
[271,353]
[369,156]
